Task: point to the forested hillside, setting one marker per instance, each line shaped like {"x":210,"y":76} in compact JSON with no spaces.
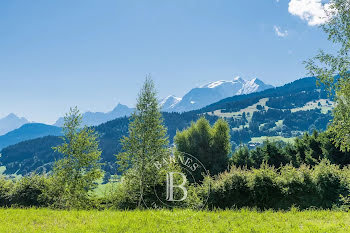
{"x":282,"y":112}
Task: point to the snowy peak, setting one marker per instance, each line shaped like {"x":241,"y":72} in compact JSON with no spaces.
{"x":254,"y":85}
{"x":11,"y":122}
{"x":169,"y":102}
{"x":212,"y":92}
{"x":215,"y":84}
{"x":221,"y":83}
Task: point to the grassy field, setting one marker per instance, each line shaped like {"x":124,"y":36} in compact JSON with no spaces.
{"x":44,"y":220}
{"x":272,"y":138}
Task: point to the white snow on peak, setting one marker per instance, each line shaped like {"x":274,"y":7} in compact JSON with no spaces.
{"x":212,"y":92}
{"x":213,"y":84}
{"x":224,"y":82}
{"x":170,"y":97}
{"x":169,"y":102}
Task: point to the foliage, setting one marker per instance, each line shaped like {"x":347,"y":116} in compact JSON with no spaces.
{"x":5,"y":188}
{"x":210,"y":145}
{"x":29,"y":191}
{"x":333,"y":69}
{"x":146,"y":142}
{"x":320,"y":186}
{"x":308,"y":149}
{"x":75,"y":175}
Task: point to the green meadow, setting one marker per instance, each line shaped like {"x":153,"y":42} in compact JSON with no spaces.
{"x":46,"y":220}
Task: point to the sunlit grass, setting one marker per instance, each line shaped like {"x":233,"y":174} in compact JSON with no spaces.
{"x":44,"y":220}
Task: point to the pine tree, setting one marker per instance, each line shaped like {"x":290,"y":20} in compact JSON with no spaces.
{"x":146,"y":142}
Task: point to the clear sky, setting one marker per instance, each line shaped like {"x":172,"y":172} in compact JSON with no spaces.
{"x":94,"y":54}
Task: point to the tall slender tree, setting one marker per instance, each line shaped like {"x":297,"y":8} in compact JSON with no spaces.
{"x":76,"y":173}
{"x":146,"y":142}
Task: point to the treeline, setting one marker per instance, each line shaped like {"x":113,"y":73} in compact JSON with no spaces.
{"x":308,"y":150}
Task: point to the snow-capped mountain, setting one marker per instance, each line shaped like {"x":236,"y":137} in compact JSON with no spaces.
{"x":96,"y":118}
{"x":11,"y":122}
{"x":169,"y":102}
{"x":214,"y":91}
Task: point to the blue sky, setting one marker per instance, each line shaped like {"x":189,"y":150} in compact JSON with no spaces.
{"x":94,"y":54}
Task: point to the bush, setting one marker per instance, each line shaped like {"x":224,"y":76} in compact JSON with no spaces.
{"x":265,"y":191}
{"x":28,"y":191}
{"x":229,"y":190}
{"x":322,"y":186}
{"x":5,"y":188}
{"x":331,"y":183}
{"x":298,"y":187}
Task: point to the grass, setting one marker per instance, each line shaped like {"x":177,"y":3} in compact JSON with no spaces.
{"x":45,"y":220}
{"x":272,"y":138}
{"x":324,"y":104}
{"x":250,"y":109}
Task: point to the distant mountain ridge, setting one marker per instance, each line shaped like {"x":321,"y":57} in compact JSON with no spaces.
{"x":27,"y":132}
{"x":212,"y":92}
{"x":11,"y":122}
{"x":97,"y":118}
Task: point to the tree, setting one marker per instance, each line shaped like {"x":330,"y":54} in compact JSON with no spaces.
{"x":242,"y":158}
{"x":146,"y":142}
{"x":333,"y":69}
{"x":75,"y":175}
{"x":210,"y":145}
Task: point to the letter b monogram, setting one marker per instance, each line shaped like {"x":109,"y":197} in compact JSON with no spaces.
{"x":170,"y":186}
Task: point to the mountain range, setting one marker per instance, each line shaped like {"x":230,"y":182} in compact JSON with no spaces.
{"x":27,"y":132}
{"x":11,"y":122}
{"x":281,"y":112}
{"x":195,"y":99}
{"x":97,"y":118}
{"x":210,"y":93}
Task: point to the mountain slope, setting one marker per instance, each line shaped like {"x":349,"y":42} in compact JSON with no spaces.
{"x":168,"y":103}
{"x":212,"y":92}
{"x":11,"y":122}
{"x":285,"y":111}
{"x":27,"y":132}
{"x":97,"y":118}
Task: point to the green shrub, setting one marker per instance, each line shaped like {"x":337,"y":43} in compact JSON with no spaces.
{"x":5,"y":188}
{"x":28,"y":191}
{"x":331,"y":183}
{"x":298,"y":187}
{"x":229,"y":190}
{"x":321,"y":186}
{"x":266,"y":193}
